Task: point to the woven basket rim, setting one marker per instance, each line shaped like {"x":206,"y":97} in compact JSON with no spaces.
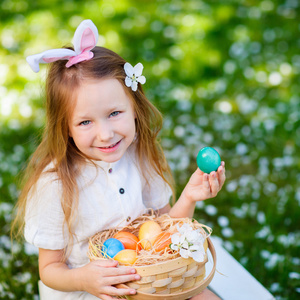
{"x":198,"y":288}
{"x":178,"y":262}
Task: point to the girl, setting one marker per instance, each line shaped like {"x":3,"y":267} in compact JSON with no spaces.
{"x":98,"y":166}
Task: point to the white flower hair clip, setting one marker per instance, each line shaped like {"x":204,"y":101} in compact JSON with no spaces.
{"x":134,"y":75}
{"x":84,"y":40}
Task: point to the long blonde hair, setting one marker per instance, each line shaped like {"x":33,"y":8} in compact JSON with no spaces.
{"x":58,"y":147}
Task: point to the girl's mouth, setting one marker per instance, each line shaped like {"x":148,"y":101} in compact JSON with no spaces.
{"x":110,"y":148}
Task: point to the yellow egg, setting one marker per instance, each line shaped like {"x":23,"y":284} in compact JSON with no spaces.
{"x":126,"y":257}
{"x":148,"y":233}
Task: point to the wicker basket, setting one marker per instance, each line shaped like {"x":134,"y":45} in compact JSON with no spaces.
{"x":174,"y":279}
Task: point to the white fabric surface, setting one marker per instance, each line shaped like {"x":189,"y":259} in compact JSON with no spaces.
{"x":101,"y":206}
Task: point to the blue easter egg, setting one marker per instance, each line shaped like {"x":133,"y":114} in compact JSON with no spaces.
{"x":111,"y":247}
{"x":208,"y":160}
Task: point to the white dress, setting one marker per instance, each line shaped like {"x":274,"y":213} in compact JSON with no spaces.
{"x":111,"y":195}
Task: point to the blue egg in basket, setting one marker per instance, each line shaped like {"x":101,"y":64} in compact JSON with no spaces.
{"x":111,"y":247}
{"x":208,"y":160}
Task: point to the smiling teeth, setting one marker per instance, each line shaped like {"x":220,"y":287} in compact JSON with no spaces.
{"x":110,"y":146}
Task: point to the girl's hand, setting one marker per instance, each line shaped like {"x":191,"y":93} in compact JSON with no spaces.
{"x":99,"y":277}
{"x":202,"y":186}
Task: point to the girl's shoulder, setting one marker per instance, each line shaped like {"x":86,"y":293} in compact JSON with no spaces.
{"x":46,"y":186}
{"x":49,"y":172}
{"x":48,"y":176}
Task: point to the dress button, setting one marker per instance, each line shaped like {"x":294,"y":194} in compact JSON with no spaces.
{"x":128,"y":219}
{"x":122,"y":191}
{"x":110,"y":170}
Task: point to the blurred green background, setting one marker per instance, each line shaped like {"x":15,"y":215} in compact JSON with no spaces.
{"x":225,"y":74}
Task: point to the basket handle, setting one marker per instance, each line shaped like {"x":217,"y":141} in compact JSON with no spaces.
{"x":209,"y":278}
{"x":192,"y":292}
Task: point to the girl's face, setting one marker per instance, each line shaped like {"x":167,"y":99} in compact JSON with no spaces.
{"x":103,"y":121}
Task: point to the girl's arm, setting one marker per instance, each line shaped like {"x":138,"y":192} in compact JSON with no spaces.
{"x":201,"y":186}
{"x":96,"y":278}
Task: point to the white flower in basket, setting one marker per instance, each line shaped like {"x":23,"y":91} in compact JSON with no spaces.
{"x":189,"y":242}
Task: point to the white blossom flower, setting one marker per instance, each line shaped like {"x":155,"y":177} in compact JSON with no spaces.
{"x":189,"y":242}
{"x":134,"y":75}
{"x":185,"y":253}
{"x":198,"y":255}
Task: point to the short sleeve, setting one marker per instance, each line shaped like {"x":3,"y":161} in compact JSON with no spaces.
{"x":44,"y":217}
{"x":156,"y":192}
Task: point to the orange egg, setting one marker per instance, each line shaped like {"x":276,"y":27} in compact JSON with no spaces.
{"x":126,"y":257}
{"x":162,"y":241}
{"x":148,"y":233}
{"x":129,"y":240}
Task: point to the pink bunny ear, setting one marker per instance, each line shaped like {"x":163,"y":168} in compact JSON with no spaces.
{"x":85,"y":39}
{"x":47,"y":57}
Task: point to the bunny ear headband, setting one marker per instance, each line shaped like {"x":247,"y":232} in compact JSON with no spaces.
{"x":84,"y":40}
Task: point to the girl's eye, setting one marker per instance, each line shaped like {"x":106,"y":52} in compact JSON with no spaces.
{"x":85,"y":123}
{"x":115,"y":113}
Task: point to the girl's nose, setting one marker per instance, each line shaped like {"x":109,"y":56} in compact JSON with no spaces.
{"x":105,"y":133}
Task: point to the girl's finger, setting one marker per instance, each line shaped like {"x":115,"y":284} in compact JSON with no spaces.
{"x":196,"y":177}
{"x":221,"y":173}
{"x":221,"y":167}
{"x":111,"y":290}
{"x":118,"y":271}
{"x":199,"y":172}
{"x":205,"y":182}
{"x":214,"y":184}
{"x":105,"y":297}
{"x":120,"y":279}
{"x":106,"y":263}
